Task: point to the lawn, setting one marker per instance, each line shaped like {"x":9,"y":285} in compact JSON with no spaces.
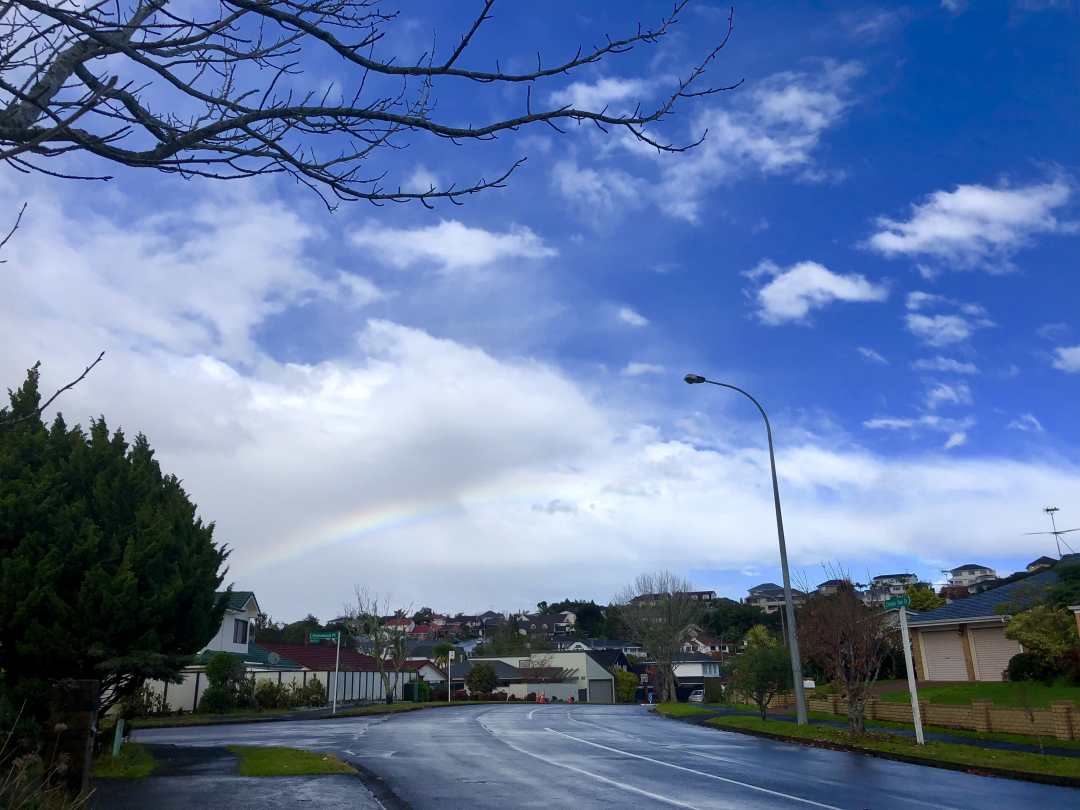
{"x":134,"y":762}
{"x":932,"y":752}
{"x":1006,"y":695}
{"x":262,"y":761}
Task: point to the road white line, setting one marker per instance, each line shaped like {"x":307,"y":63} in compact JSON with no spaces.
{"x":614,"y":783}
{"x":699,"y":773}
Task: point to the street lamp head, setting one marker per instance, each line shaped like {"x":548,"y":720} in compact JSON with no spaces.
{"x":694,"y":379}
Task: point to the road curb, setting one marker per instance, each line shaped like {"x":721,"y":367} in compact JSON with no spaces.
{"x":1024,"y":776}
{"x":283,"y":718}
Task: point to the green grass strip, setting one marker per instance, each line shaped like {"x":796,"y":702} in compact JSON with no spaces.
{"x":134,"y":762}
{"x":932,"y":752}
{"x":262,"y":761}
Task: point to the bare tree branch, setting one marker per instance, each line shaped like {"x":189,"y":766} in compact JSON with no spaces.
{"x":199,"y":93}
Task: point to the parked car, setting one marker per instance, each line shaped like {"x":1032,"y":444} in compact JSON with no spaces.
{"x":697,"y":696}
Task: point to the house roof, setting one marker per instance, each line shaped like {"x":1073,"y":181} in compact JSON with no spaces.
{"x":608,"y":658}
{"x":969,"y":567}
{"x":892,"y":576}
{"x":503,"y":670}
{"x":831,"y":583}
{"x":1044,"y":560}
{"x":1022,"y":591}
{"x":254,"y":655}
{"x":320,"y":657}
{"x":419,"y":664}
{"x":238,"y":599}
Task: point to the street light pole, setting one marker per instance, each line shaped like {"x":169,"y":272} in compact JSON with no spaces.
{"x":789,"y":605}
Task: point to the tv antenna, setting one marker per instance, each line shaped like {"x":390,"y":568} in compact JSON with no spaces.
{"x":1050,"y":510}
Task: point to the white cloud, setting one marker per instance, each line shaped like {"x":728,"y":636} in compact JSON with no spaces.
{"x":944,"y":364}
{"x":939,"y":330}
{"x":1053,"y":331}
{"x":597,"y":194}
{"x":409,"y":441}
{"x":601,"y":93}
{"x":791,"y":293}
{"x":1067,"y":359}
{"x":955,"y":440}
{"x":1027,"y":423}
{"x":948,"y":394}
{"x":974,"y":225}
{"x":773,"y":128}
{"x":451,"y":245}
{"x":634,"y":369}
{"x":926,"y":421}
{"x":631,"y":317}
{"x":872,"y":355}
{"x":421,"y":181}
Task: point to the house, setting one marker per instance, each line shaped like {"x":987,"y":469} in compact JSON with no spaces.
{"x":690,"y":670}
{"x":1040,"y":564}
{"x":768,"y":597}
{"x":401,"y":624}
{"x":422,"y":650}
{"x":241,"y":610}
{"x":626,"y":647}
{"x":829,"y":587}
{"x":965,"y":640}
{"x":886,"y":586}
{"x":653,"y":598}
{"x":562,"y":675}
{"x":548,"y":624}
{"x":708,"y":645}
{"x":971,"y":575}
{"x":428,"y":671}
{"x":421,"y":632}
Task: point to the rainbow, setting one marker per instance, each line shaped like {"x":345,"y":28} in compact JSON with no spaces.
{"x":370,"y":521}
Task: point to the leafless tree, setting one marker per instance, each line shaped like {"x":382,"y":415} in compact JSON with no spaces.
{"x":849,"y":641}
{"x":398,"y":653}
{"x":216,"y":89}
{"x":364,"y":619}
{"x":658,"y":610}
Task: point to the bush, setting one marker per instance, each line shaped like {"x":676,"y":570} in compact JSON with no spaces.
{"x":461,"y":694}
{"x":216,"y":700}
{"x":313,"y":694}
{"x":270,"y":695}
{"x":417,"y":690}
{"x":1032,"y":667}
{"x":714,"y":690}
{"x":531,"y":697}
{"x":626,"y":684}
{"x":144,"y":702}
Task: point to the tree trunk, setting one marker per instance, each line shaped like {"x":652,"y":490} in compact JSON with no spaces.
{"x":856,"y":717}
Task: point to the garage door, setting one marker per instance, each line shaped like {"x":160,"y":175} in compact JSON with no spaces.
{"x":600,"y":691}
{"x":992,"y":653}
{"x":944,"y":656}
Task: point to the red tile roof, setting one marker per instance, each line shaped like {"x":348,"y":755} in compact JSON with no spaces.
{"x":321,"y":657}
{"x":418,"y":664}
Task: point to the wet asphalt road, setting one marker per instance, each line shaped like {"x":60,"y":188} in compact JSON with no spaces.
{"x":586,"y":757}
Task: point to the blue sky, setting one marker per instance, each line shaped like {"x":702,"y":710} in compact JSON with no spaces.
{"x":482,"y":406}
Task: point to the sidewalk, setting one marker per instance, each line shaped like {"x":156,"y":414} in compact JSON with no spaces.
{"x":957,"y":739}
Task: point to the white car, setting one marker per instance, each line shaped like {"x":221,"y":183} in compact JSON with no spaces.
{"x":697,"y":696}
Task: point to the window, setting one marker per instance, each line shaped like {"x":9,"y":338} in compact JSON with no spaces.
{"x":240,"y":631}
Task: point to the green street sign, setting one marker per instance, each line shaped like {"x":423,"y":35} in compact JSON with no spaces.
{"x":897,"y":602}
{"x":323,"y":635}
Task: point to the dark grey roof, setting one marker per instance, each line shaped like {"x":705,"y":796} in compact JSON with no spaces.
{"x":892,"y":576}
{"x":831,"y":583}
{"x":1044,"y":560}
{"x":969,"y":567}
{"x":692,"y":657}
{"x":608,"y":658}
{"x":1022,"y":592}
{"x":766,"y":586}
{"x":503,"y":671}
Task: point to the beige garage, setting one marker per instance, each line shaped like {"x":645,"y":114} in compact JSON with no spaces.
{"x":943,"y":652}
{"x":991,"y":652}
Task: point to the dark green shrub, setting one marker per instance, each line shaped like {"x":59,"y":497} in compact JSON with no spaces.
{"x":1032,"y":667}
{"x":216,"y":699}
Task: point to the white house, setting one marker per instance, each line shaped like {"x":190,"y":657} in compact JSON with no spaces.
{"x":971,"y":574}
{"x":236,"y":626}
{"x":583,"y":678}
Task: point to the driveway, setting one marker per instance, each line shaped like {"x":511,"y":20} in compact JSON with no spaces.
{"x":592,"y":757}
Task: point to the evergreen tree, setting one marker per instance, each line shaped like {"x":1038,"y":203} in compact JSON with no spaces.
{"x":106,"y":572}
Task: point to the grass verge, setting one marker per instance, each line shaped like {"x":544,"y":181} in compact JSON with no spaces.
{"x":1016,"y":763}
{"x":1007,"y":694}
{"x":262,"y":761}
{"x":134,"y":762}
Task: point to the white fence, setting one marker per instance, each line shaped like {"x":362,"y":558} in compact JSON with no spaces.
{"x":351,"y":686}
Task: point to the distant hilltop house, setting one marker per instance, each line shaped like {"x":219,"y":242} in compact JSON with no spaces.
{"x":579,"y":644}
{"x":1040,"y":564}
{"x":768,"y":597}
{"x":885,"y":586}
{"x":653,"y":598}
{"x":829,"y":587}
{"x":550,"y":624}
